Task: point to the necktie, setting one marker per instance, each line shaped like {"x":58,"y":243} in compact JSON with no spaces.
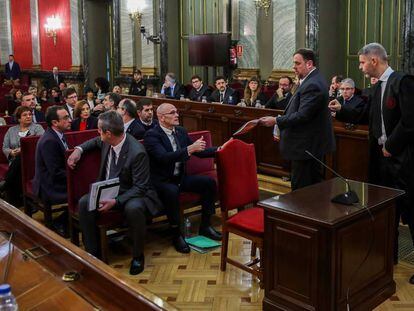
{"x":376,"y":112}
{"x":113,"y":167}
{"x":65,"y":144}
{"x":174,"y":134}
{"x":221,"y":97}
{"x":56,"y":79}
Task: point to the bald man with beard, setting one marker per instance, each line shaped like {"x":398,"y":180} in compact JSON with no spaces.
{"x":169,"y":148}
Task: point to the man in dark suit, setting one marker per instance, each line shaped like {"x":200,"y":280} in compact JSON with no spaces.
{"x":12,"y":69}
{"x":128,"y":110}
{"x":71,"y":97}
{"x":55,"y":78}
{"x":49,"y":182}
{"x":29,"y":100}
{"x":125,"y":158}
{"x":199,"y":91}
{"x":146,"y":115}
{"x":354,"y":104}
{"x":223,"y":94}
{"x":282,"y":96}
{"x":169,"y":148}
{"x":390,"y":114}
{"x":172,"y":88}
{"x":306,"y":124}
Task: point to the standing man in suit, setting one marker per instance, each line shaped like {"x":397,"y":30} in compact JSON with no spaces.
{"x":55,"y":78}
{"x":29,"y":100}
{"x":199,"y":89}
{"x":306,"y":123}
{"x":12,"y":70}
{"x":172,"y":88}
{"x":123,"y":157}
{"x":49,"y":182}
{"x":223,"y":94}
{"x":169,"y":148}
{"x":355,"y":104}
{"x":390,"y":114}
{"x":283,"y":94}
{"x":71,"y":97}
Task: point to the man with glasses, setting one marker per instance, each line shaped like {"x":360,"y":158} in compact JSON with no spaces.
{"x":169,"y":148}
{"x":71,"y":97}
{"x":49,"y":182}
{"x":354,"y":103}
{"x":199,"y":89}
{"x":28,"y":100}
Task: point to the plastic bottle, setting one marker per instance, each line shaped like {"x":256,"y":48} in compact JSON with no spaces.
{"x":182,"y":97}
{"x":230,"y":100}
{"x":258,"y":104}
{"x":7,"y":300}
{"x":187,"y":228}
{"x":204,"y":99}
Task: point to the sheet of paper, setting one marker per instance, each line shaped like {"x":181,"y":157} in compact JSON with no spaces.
{"x":247,"y":127}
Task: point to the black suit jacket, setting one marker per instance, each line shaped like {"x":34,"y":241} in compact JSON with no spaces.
{"x":137,"y":88}
{"x":133,"y":172}
{"x":198,"y":95}
{"x":14,"y":73}
{"x":215,"y":97}
{"x":137,"y":129}
{"x":49,"y":181}
{"x":352,"y":110}
{"x":306,"y":123}
{"x":161,"y":154}
{"x":65,"y":106}
{"x":91,"y":123}
{"x":51,"y":82}
{"x":39,"y":115}
{"x":278,"y":103}
{"x":179,"y":90}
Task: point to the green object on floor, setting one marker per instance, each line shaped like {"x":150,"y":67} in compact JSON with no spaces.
{"x":202,"y":242}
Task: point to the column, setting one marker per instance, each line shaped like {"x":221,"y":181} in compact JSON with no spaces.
{"x":127,"y":46}
{"x":148,"y":50}
{"x":34,"y":25}
{"x":408,"y":33}
{"x":284,"y":37}
{"x":6,"y":45}
{"x":75,"y":36}
{"x":248,"y":65}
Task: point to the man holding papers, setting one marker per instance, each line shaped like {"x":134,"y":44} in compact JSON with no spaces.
{"x":125,"y":158}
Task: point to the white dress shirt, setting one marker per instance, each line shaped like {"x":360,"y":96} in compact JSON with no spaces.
{"x":170,"y":136}
{"x":384,"y":80}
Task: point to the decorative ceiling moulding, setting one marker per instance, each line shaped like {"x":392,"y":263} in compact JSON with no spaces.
{"x":36,"y":67}
{"x":246,"y":73}
{"x":125,"y":71}
{"x":278,"y":73}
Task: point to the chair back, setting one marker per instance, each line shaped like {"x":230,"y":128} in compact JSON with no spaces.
{"x":76,"y":138}
{"x":237,"y":175}
{"x":27,"y":155}
{"x":200,"y":165}
{"x":79,"y":179}
{"x":3,"y":131}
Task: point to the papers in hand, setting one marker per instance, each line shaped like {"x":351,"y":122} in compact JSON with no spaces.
{"x":247,"y":127}
{"x":103,"y":190}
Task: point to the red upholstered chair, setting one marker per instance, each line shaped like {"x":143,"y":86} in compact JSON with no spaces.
{"x":76,"y":138}
{"x":4,"y":163}
{"x":78,"y":182}
{"x":238,"y":188}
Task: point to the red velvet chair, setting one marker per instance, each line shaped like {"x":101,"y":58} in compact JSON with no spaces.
{"x":76,"y":138}
{"x":4,"y":163}
{"x":238,"y":188}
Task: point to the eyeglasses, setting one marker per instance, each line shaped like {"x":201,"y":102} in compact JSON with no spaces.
{"x":174,"y":112}
{"x":73,"y":97}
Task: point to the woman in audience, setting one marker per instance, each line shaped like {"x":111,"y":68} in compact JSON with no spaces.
{"x":11,"y":149}
{"x":137,"y":86}
{"x":15,"y":99}
{"x":43,"y":97}
{"x":90,"y":97}
{"x":55,"y":98}
{"x":253,"y":94}
{"x":83,"y":119}
{"x":102,"y":86}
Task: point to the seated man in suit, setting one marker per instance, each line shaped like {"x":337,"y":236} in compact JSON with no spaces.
{"x":12,"y":70}
{"x":355,"y":104}
{"x":146,"y":114}
{"x":172,"y":88}
{"x":128,"y":111}
{"x":28,"y":100}
{"x":199,"y":90}
{"x":124,"y":157}
{"x":169,"y":148}
{"x":334,"y":91}
{"x":109,"y":102}
{"x":70,"y":97}
{"x":49,"y":182}
{"x":224,"y":94}
{"x":283,"y":94}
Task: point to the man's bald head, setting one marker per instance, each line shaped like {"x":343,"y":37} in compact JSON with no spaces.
{"x":167,"y":115}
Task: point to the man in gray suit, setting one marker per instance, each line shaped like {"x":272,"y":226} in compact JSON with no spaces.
{"x":306,"y":124}
{"x":124,"y":157}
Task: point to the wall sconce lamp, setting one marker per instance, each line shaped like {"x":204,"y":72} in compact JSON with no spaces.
{"x":263,"y":4}
{"x":53,"y":24}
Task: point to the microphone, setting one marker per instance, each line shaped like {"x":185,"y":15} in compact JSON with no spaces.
{"x":348,"y":198}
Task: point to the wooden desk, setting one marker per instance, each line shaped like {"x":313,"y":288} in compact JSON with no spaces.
{"x":37,"y":283}
{"x":350,"y":158}
{"x":313,"y":248}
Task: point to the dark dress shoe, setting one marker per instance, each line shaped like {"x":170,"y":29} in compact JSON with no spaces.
{"x":137,"y":265}
{"x":411,"y":279}
{"x":181,"y":245}
{"x":210,"y":232}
